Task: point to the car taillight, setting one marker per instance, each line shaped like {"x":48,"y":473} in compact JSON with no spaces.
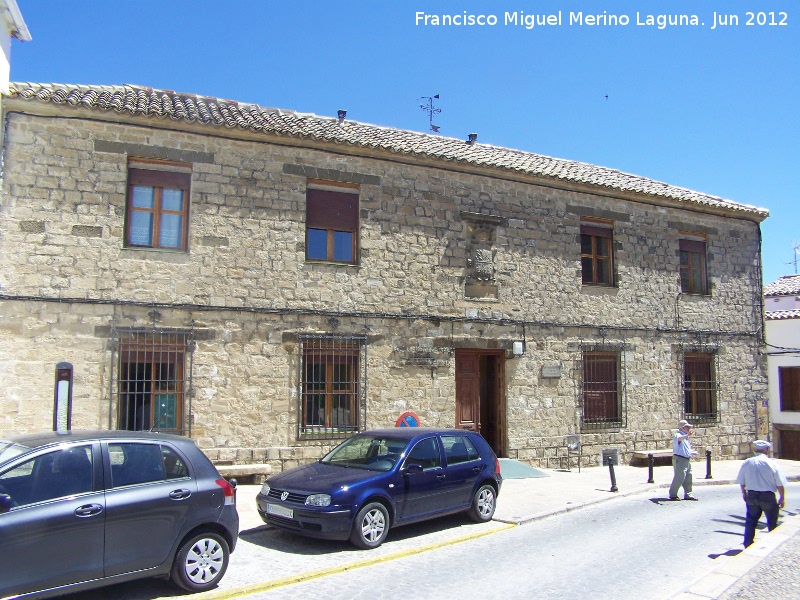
{"x":496,"y":465}
{"x":228,"y":490}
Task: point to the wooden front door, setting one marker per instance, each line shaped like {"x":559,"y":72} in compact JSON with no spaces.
{"x":789,"y":444}
{"x":480,"y":395}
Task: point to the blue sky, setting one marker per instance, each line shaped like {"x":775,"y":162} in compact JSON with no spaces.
{"x":712,"y":109}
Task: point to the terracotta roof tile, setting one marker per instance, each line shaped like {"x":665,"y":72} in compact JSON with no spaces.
{"x":780,"y":315}
{"x":788,"y":285}
{"x":216,"y":112}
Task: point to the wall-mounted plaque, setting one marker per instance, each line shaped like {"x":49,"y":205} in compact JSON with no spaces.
{"x":553,"y":371}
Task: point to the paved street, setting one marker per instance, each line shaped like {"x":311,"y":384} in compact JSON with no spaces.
{"x":777,"y":577}
{"x":268,"y":558}
{"x":640,"y":546}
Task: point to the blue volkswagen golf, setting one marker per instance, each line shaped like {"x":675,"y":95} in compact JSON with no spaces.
{"x":381,"y":479}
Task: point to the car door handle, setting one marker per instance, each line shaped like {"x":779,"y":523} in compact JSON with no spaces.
{"x":440,"y":476}
{"x":477,"y":469}
{"x":88,"y":510}
{"x":179,"y":494}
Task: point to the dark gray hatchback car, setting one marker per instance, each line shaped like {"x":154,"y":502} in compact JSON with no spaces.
{"x":84,"y":509}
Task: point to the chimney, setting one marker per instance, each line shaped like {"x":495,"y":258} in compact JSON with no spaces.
{"x":473,"y":137}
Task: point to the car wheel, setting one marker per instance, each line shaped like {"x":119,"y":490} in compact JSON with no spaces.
{"x":483,"y":504}
{"x":200,"y":562}
{"x":371,"y":526}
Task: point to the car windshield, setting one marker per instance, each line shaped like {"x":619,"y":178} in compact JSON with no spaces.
{"x":372,"y":452}
{"x":9,"y":450}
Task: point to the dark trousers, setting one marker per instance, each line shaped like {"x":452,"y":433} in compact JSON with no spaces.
{"x":758,"y":502}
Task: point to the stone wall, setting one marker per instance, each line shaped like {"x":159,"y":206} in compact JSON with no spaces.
{"x":66,"y":279}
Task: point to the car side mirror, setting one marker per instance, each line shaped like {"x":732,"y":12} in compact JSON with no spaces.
{"x":5,"y":503}
{"x":413,"y":468}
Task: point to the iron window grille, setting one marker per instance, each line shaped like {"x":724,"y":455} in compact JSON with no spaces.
{"x":151,"y":380}
{"x":332,"y":386}
{"x":603,"y":390}
{"x":700,"y":387}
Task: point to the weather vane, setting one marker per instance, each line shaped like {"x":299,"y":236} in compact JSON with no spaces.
{"x":429,"y":108}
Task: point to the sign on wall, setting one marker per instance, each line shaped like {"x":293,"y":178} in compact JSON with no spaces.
{"x":407,"y":419}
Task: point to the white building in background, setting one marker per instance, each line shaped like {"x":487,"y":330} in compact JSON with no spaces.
{"x":13,"y":27}
{"x":782,"y":321}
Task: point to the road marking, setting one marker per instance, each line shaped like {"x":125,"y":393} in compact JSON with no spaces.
{"x":310,"y":575}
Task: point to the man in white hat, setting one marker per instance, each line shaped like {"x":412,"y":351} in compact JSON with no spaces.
{"x":760,"y":478}
{"x":682,"y":454}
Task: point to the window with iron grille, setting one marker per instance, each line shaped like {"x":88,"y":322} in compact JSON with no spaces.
{"x":332,"y":225}
{"x":602,"y":397}
{"x":789,"y":386}
{"x":699,"y":386}
{"x":332,"y":385}
{"x":596,"y":255}
{"x":693,"y":266}
{"x":151,"y":379}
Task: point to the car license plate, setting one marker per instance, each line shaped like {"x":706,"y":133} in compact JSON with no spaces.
{"x":280,"y":511}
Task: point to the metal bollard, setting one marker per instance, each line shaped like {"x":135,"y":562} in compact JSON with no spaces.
{"x":708,"y":464}
{"x":611,"y":471}
{"x":650,"y":461}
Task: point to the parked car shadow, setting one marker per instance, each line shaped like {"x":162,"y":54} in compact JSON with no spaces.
{"x":281,"y":540}
{"x":143,"y":589}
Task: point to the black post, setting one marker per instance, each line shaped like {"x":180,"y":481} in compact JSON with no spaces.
{"x":708,"y":464}
{"x":650,"y":462}
{"x":611,"y":471}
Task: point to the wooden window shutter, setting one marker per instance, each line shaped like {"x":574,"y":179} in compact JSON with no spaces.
{"x":167,"y":179}
{"x":789,"y":382}
{"x":598,"y":231}
{"x":692,"y":246}
{"x":331,"y":210}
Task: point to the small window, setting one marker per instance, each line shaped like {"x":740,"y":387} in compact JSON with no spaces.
{"x":331,"y":225}
{"x":174,"y":467}
{"x":789,"y":382}
{"x":133,"y":463}
{"x":158,"y":209}
{"x":426,"y":454}
{"x":601,"y":389}
{"x":693,"y":266}
{"x":56,"y":474}
{"x":699,"y":386}
{"x":458,"y":449}
{"x":596,"y":255}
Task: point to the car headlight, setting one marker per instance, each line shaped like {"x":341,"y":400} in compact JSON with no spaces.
{"x":265,"y":489}
{"x":318,"y":500}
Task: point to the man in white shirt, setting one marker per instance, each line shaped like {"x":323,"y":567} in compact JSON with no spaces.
{"x":760,"y":478}
{"x":682,"y":454}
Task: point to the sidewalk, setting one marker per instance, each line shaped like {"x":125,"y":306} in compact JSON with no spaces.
{"x":520,"y":501}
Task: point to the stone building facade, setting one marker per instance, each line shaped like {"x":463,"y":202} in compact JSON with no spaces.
{"x":268,"y":282}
